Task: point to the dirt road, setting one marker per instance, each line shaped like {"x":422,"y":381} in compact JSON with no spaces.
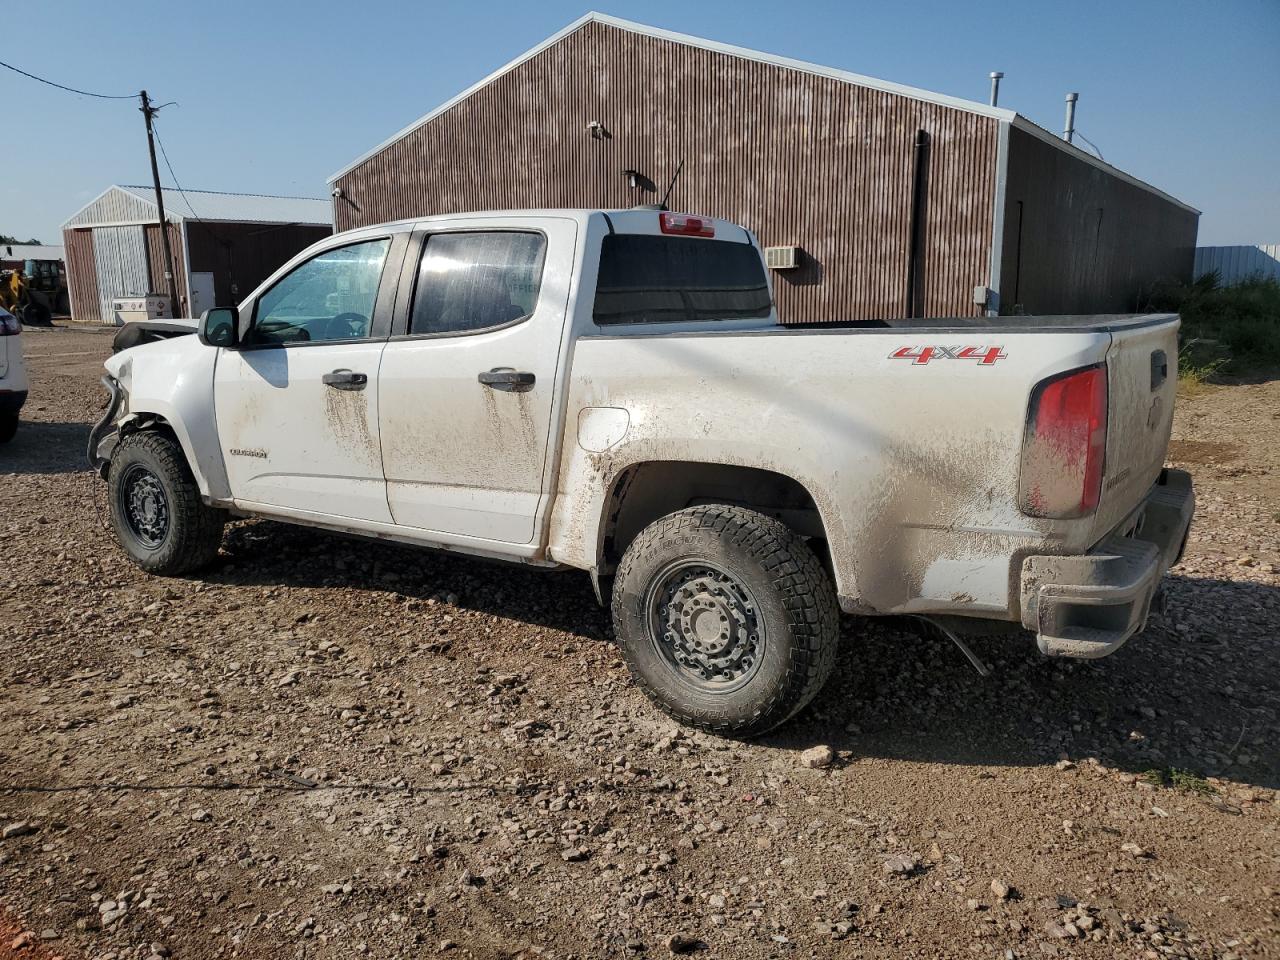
{"x":327,"y":748}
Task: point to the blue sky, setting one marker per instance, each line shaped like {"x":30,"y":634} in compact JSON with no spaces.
{"x":273,"y":97}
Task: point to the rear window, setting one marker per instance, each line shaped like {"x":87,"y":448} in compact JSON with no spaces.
{"x":664,"y":279}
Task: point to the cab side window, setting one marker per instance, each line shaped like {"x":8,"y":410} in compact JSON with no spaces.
{"x":329,"y":298}
{"x":475,"y":281}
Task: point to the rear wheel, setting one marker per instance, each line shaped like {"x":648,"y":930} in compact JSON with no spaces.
{"x":8,"y":425}
{"x":726,"y":618}
{"x":156,"y":511}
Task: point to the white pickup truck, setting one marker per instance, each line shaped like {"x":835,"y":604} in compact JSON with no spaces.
{"x":611,"y":391}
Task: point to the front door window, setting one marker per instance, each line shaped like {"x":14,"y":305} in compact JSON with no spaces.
{"x":330,"y":297}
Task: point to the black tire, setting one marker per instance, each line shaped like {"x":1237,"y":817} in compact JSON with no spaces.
{"x":8,"y":425}
{"x":745,"y":575}
{"x":156,"y":511}
{"x":36,"y":314}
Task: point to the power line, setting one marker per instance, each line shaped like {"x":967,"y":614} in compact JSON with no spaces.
{"x":83,"y":93}
{"x":173,"y":176}
{"x":1092,"y":144}
{"x":185,"y":199}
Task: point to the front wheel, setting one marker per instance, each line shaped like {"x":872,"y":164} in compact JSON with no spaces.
{"x":156,"y":511}
{"x":726,"y":619}
{"x":8,"y":425}
{"x":36,"y":314}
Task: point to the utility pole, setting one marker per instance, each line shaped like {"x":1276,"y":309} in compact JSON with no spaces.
{"x":1069,"y":126}
{"x":148,"y":111}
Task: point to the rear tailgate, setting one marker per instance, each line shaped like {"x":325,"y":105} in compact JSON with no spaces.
{"x":1142,"y":378}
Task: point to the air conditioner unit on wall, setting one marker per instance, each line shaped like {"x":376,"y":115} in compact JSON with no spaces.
{"x":782,"y":258}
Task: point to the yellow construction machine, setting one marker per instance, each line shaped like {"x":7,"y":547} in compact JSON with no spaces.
{"x":36,"y":292}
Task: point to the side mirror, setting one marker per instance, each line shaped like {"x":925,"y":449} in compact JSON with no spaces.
{"x":220,"y":327}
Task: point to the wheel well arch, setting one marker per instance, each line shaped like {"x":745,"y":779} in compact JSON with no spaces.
{"x":154,"y":423}
{"x":151,"y":422}
{"x":647,"y":491}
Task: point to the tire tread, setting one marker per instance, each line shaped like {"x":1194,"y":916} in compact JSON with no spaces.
{"x":196,"y":527}
{"x":805,"y":589}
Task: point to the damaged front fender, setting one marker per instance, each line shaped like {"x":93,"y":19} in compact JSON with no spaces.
{"x":103,"y":436}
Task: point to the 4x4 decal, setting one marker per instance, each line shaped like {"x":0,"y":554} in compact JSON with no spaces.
{"x":985,"y":356}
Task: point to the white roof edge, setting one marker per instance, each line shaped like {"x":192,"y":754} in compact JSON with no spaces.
{"x":176,"y":216}
{"x":971,"y":106}
{"x":172,"y":216}
{"x":67,"y":222}
{"x":1039,"y":132}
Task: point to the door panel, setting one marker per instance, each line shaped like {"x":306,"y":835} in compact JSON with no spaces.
{"x":297,"y":405}
{"x":202,"y":293}
{"x":462,"y":456}
{"x":290,"y":440}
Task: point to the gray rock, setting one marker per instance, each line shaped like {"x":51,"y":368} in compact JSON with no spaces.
{"x":682,"y":943}
{"x":901,"y":865}
{"x":817,"y":758}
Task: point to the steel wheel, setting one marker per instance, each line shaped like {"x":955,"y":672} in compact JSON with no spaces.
{"x":144,"y":505}
{"x":705,"y":626}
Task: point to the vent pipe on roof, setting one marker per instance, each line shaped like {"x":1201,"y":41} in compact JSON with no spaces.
{"x":996,"y":77}
{"x":1069,"y":129}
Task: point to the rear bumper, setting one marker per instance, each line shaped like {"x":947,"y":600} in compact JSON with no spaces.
{"x":11,"y":401}
{"x":1089,"y":605}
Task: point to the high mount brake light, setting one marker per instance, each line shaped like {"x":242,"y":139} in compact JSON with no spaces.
{"x":1065,"y":445}
{"x":684,"y":225}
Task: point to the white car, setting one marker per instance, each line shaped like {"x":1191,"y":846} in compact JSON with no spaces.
{"x":13,"y":375}
{"x":611,"y":391}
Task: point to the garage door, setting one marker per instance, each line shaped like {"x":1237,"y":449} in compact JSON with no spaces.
{"x":120,"y":255}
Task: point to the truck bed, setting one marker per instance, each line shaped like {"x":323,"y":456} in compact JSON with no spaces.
{"x":912,"y":457}
{"x":1047,"y":323}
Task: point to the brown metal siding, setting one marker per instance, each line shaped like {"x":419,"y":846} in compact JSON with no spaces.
{"x":1089,"y":242}
{"x":799,"y":158}
{"x":241,"y":255}
{"x":155,"y":263}
{"x":82,"y":276}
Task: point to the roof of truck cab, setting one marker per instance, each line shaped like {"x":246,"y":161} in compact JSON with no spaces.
{"x":580,"y":214}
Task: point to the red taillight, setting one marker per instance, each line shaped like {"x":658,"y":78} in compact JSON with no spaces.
{"x":686,"y":226}
{"x":1065,"y":445}
{"x":9,"y":325}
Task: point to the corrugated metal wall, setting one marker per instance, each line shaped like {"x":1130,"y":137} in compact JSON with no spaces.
{"x":155,"y":263}
{"x":799,"y":158}
{"x":120,"y":259}
{"x":82,"y":275}
{"x":1080,"y":240}
{"x":1234,"y":264}
{"x":241,"y":255}
{"x":114,"y":206}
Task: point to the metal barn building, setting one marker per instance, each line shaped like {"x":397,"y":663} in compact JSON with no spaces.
{"x":113,"y":246}
{"x":1236,"y":264}
{"x":901,"y":201}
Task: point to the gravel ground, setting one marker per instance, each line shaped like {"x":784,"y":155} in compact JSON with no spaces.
{"x":333,"y":748}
